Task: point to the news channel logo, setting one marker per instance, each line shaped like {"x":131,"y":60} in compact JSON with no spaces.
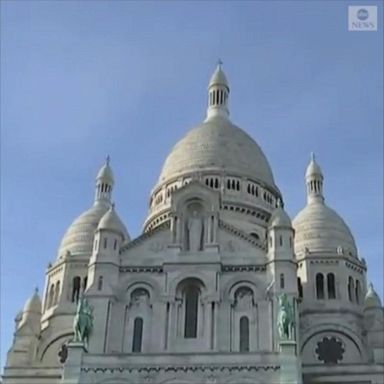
{"x":362,"y":18}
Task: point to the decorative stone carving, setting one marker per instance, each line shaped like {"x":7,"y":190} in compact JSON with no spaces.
{"x":140,"y":297}
{"x":195,"y":228}
{"x":330,"y":350}
{"x":156,"y":247}
{"x":244,"y":298}
{"x":63,"y":354}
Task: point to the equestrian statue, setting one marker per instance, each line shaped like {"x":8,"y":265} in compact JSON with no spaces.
{"x":83,"y":322}
{"x":286,"y":318}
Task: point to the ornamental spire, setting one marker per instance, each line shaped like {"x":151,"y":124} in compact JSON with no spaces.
{"x":314,"y":179}
{"x":104,"y":183}
{"x":218,"y":92}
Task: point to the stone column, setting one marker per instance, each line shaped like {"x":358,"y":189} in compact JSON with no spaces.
{"x":72,"y":367}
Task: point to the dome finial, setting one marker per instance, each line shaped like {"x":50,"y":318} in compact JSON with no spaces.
{"x":314,"y":180}
{"x":218,"y":92}
{"x":104,"y":182}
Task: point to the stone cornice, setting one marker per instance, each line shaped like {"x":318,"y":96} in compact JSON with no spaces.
{"x":238,"y":233}
{"x":244,"y":268}
{"x":141,"y":269}
{"x":183,"y":368}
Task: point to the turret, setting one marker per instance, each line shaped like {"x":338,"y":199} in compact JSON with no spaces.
{"x":109,"y":237}
{"x":280,"y":252}
{"x":103,"y":271}
{"x":27,"y":333}
{"x":374,"y":325}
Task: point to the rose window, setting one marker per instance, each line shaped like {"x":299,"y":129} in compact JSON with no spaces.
{"x":330,"y":350}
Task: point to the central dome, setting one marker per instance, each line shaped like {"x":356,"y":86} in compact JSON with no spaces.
{"x":218,"y":145}
{"x":222,"y":157}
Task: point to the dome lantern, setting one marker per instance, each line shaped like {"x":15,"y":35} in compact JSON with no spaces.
{"x":104,"y":183}
{"x":314,"y":181}
{"x":218,"y":94}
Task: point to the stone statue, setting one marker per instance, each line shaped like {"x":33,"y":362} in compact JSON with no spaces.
{"x":83,"y":322}
{"x":285,"y":319}
{"x":195,"y":229}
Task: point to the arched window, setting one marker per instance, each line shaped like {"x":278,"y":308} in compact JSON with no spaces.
{"x":76,"y":289}
{"x":299,"y":288}
{"x":282,"y":282}
{"x":331,"y":286}
{"x":51,"y":295}
{"x":244,"y":334}
{"x":320,"y":286}
{"x":350,"y":288}
{"x":191,"y":296}
{"x":137,"y":335}
{"x":57,"y":291}
{"x":100,"y":283}
{"x":255,"y":235}
{"x":281,"y":240}
{"x":357,"y":291}
{"x":105,"y":243}
{"x":115,"y":244}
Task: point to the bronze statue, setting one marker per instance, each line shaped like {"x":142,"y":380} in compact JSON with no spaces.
{"x":286,"y":318}
{"x":83,"y":322}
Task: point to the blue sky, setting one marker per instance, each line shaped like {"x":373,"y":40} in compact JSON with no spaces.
{"x":80,"y":80}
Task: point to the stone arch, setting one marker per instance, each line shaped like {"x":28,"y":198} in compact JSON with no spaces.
{"x":335,"y":328}
{"x":190,"y":275}
{"x":247,"y":280}
{"x":54,"y":340}
{"x":196,"y":191}
{"x":355,"y":353}
{"x":131,"y":283}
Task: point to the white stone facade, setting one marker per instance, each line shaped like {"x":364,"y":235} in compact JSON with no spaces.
{"x":194,"y":299}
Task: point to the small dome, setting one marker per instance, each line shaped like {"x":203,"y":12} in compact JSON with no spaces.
{"x":78,"y":238}
{"x":111,"y":221}
{"x":372,"y":299}
{"x":218,"y":77}
{"x":280,"y":218}
{"x":320,"y":228}
{"x":105,"y":173}
{"x":313,"y":169}
{"x":33,"y":304}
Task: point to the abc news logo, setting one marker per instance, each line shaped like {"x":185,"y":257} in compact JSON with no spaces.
{"x":362,"y":18}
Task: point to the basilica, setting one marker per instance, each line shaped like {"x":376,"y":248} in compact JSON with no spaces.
{"x":221,"y":287}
